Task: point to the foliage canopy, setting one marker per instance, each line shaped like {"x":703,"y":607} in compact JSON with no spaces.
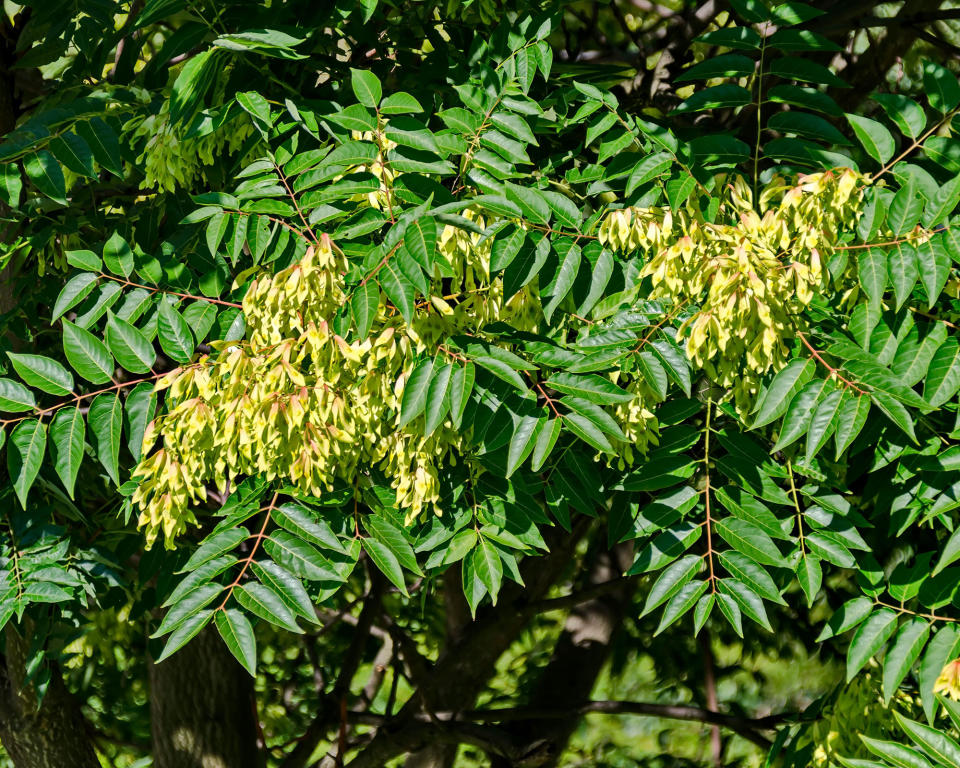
{"x":426,"y":306}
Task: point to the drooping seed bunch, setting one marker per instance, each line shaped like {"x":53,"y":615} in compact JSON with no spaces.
{"x":748,"y":274}
{"x":296,"y":401}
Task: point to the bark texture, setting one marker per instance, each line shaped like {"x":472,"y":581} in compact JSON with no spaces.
{"x":53,"y":735}
{"x":202,"y":709}
{"x":578,"y":657}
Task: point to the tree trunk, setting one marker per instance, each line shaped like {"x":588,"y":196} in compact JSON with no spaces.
{"x":203,"y":709}
{"x":578,"y":658}
{"x":53,"y":735}
{"x":470,"y":654}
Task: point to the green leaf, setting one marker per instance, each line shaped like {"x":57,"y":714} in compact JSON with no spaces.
{"x":118,"y":256}
{"x":506,"y":246}
{"x":823,"y":422}
{"x":103,"y":141}
{"x":366,"y":87}
{"x":364,"y":304}
{"x":461,"y":385}
{"x":67,"y":431}
{"x":903,"y":653}
{"x":587,"y":431}
{"x":808,"y":98}
{"x":894,"y":754}
{"x":680,"y":603}
{"x":86,"y":260}
{"x":808,"y":126}
{"x":934,"y":263}
{"x":810,"y":576}
{"x":903,"y":272}
{"x":420,"y":239}
{"x":522,"y":442}
{"x":43,"y":373}
{"x":201,"y":316}
{"x":796,"y":419}
{"x":649,"y":168}
{"x":595,"y":414}
{"x":386,"y":561}
{"x":139,"y":407}
{"x":391,"y":536}
{"x":129,"y":346}
{"x":561,"y":284}
{"x":870,"y":637}
{"x":849,"y":615}
{"x":725,"y":65}
{"x":44,"y":171}
{"x":934,"y":742}
{"x":303,"y":523}
{"x":671,"y":581}
{"x":828,"y":546}
{"x":731,"y":611}
{"x":11,"y":185}
{"x":804,"y":70}
{"x":752,"y":11}
{"x":941,"y":87}
{"x":850,"y":421}
{"x":176,"y":339}
{"x":106,"y":423}
{"x":749,"y":601}
{"x":286,"y":586}
{"x":415,"y":388}
{"x":264,"y":603}
{"x":745,"y":507}
{"x":533,"y":205}
{"x":198,"y":579}
{"x":76,"y":290}
{"x":751,"y":540}
{"x":872,"y":272}
{"x":501,"y":370}
{"x":214,"y":546}
{"x":949,"y":553}
{"x":398,"y":288}
{"x":906,"y":114}
{"x":905,"y":210}
{"x":774,"y":401}
{"x":715,"y":97}
{"x":184,"y":633}
{"x":400,"y":103}
{"x":874,"y":137}
{"x":943,"y":203}
{"x":301,"y":558}
{"x":87,"y":355}
{"x":488,"y":567}
{"x":893,"y":409}
{"x":15,"y":398}
{"x":237,"y":633}
{"x":592,"y":387}
{"x":438,"y":399}
{"x":74,"y":153}
{"x":191,"y":84}
{"x":800,"y":40}
{"x":943,"y":376}
{"x":546,"y":440}
{"x":25,"y":450}
{"x":752,"y":574}
{"x":565,"y":211}
{"x":792,"y":12}
{"x":943,"y":647}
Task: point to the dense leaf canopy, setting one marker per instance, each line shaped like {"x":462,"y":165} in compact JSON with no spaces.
{"x":395,"y":319}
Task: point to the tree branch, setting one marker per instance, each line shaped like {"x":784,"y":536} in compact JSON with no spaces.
{"x":462,"y":728}
{"x":329,"y":710}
